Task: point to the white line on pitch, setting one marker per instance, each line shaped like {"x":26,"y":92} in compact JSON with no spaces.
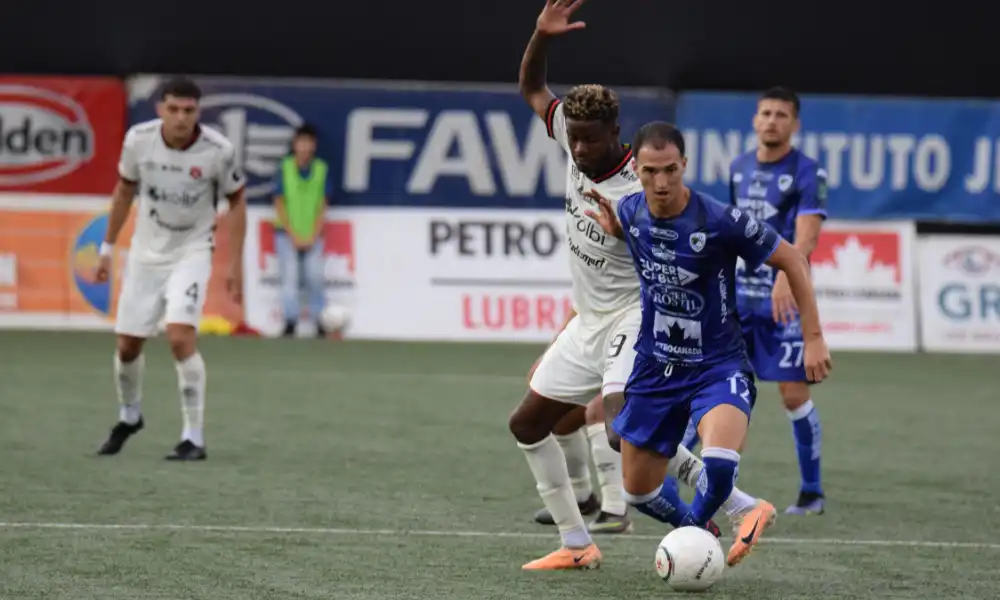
{"x":459,"y":534}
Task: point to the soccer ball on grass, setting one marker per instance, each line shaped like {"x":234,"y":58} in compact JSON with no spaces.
{"x":335,"y":318}
{"x":690,"y":559}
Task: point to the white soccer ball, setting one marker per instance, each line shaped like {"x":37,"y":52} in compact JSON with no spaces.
{"x":334,"y":318}
{"x":690,"y":559}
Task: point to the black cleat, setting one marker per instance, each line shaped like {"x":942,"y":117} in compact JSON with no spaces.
{"x":120,"y":434}
{"x":186,"y":450}
{"x":588,"y":507}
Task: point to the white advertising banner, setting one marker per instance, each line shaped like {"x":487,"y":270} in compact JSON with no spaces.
{"x":429,"y":274}
{"x":960,"y":293}
{"x":866,"y":286}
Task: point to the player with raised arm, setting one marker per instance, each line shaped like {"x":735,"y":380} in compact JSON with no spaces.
{"x":779,"y":185}
{"x":692,"y":361}
{"x":178,"y":168}
{"x":594,"y":351}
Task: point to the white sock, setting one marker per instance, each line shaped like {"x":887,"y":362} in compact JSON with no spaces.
{"x":548,"y":465}
{"x":577,"y":452}
{"x":687,"y":467}
{"x":609,"y":470}
{"x":191,"y":379}
{"x":128,"y":382}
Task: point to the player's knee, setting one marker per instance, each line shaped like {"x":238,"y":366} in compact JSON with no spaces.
{"x":535,"y":418}
{"x":129,"y":348}
{"x":524,"y":428}
{"x":182,"y":340}
{"x":571,"y":423}
{"x":793,"y":394}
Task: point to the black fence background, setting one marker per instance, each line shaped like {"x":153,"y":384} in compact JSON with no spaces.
{"x":851,"y":46}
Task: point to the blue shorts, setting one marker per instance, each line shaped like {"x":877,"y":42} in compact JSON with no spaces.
{"x":776,"y":351}
{"x":658,"y":407}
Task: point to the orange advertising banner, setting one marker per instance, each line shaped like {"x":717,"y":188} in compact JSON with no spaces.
{"x":47,"y":263}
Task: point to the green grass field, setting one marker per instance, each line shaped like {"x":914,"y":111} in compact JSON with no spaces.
{"x":385,"y":470}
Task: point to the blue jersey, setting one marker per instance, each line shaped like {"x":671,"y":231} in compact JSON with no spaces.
{"x":686,"y":267}
{"x":773,"y":193}
{"x":690,"y":352}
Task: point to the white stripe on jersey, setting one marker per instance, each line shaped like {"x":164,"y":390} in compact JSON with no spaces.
{"x":178,"y":190}
{"x":604,"y":279}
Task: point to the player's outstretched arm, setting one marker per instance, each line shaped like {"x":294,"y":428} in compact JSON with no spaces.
{"x":554,"y":20}
{"x":796,"y":268}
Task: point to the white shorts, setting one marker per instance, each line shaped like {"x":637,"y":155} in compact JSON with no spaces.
{"x":150,"y":292}
{"x":588,"y":358}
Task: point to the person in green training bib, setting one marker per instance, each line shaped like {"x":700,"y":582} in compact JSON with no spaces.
{"x":302,"y":193}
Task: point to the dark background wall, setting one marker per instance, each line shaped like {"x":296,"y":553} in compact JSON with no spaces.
{"x":852,"y":46}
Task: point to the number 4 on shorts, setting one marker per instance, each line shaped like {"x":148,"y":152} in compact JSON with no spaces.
{"x":192,"y":293}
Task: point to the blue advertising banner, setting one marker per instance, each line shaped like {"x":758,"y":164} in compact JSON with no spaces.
{"x":885,"y":158}
{"x":395,"y":144}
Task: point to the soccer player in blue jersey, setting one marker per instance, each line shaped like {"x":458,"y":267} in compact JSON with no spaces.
{"x":786,"y":189}
{"x":692,"y":361}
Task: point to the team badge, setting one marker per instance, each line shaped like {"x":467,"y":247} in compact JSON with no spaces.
{"x":785,"y":182}
{"x":195,"y":173}
{"x":697,"y":241}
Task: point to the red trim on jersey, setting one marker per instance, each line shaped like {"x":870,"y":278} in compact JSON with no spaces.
{"x":194,"y":138}
{"x":550,"y":114}
{"x":612,"y":172}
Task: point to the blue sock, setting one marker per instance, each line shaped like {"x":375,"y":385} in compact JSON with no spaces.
{"x":808,"y":434}
{"x":716,"y":483}
{"x":663,"y":504}
{"x":690,"y":439}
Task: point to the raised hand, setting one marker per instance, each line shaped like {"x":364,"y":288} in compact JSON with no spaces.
{"x":604,"y":215}
{"x":555,"y":17}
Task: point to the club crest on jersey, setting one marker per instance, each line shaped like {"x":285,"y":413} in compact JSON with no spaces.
{"x":785,"y":182}
{"x":697,"y":241}
{"x":195,"y":172}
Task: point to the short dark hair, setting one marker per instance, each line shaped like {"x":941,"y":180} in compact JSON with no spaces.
{"x":306,"y":129}
{"x":657,"y":134}
{"x":591,"y":102}
{"x":180,"y":87}
{"x":784,"y":94}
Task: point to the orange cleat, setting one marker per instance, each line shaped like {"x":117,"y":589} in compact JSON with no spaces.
{"x":567,"y":558}
{"x":755,"y":522}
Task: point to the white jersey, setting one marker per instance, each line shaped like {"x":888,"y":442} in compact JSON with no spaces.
{"x":604,"y":279}
{"x":178,"y":190}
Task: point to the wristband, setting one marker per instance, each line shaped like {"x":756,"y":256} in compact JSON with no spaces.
{"x":106,"y":249}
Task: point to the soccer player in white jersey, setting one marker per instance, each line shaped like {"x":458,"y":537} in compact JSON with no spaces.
{"x":594,"y":351}
{"x":178,"y":168}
